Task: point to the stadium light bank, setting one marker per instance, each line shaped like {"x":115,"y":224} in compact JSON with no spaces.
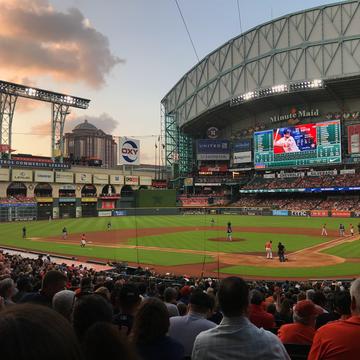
{"x":277,"y":90}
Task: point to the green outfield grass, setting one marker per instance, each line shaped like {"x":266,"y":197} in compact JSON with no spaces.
{"x":10,"y":235}
{"x":199,"y":240}
{"x":347,"y":250}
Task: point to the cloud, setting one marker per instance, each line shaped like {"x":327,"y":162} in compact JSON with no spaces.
{"x":37,"y":40}
{"x":104,"y":122}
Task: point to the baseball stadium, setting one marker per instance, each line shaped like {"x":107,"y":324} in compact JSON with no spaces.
{"x":261,"y":157}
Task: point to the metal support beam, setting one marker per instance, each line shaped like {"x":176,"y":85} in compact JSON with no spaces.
{"x":58,"y":115}
{"x":7,"y":107}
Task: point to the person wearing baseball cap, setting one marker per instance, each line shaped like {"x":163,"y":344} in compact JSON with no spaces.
{"x":302,"y":331}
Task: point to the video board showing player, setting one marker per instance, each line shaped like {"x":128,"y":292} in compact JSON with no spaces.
{"x":294,"y":139}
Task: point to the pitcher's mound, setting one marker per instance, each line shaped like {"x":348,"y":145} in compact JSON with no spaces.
{"x":224,"y":239}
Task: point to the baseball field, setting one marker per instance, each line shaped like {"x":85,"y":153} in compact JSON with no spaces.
{"x":194,"y":245}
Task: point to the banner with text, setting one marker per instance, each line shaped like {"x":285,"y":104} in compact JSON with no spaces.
{"x":22,"y":175}
{"x":129,"y":151}
{"x":211,"y":149}
{"x":353,"y":139}
{"x":64,"y":177}
{"x":242,"y":151}
{"x":44,"y":176}
{"x":83,"y":178}
{"x":100,"y":179}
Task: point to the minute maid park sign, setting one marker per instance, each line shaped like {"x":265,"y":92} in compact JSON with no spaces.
{"x":295,"y":114}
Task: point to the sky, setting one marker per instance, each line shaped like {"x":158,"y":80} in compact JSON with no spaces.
{"x":123,"y":55}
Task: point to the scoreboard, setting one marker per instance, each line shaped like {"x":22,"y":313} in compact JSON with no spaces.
{"x":300,"y":145}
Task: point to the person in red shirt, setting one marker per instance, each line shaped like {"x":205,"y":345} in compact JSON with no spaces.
{"x":257,"y":315}
{"x":340,"y":340}
{"x":268,"y":249}
{"x":302,"y":331}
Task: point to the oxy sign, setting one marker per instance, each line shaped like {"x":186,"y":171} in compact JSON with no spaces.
{"x":129,"y":151}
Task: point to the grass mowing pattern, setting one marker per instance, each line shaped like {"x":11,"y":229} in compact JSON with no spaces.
{"x":347,"y":250}
{"x":198,"y":240}
{"x":10,"y":234}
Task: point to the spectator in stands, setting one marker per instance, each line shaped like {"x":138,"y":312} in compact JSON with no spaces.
{"x":7,"y":291}
{"x":53,"y":282}
{"x":103,"y":341}
{"x":302,"y":331}
{"x":88,"y":310}
{"x":129,"y":300}
{"x":185,"y":292}
{"x":24,"y":287}
{"x":185,"y":328}
{"x":236,"y":337}
{"x":340,"y":339}
{"x":285,"y":314}
{"x":342,"y":304}
{"x":182,"y":308}
{"x":170,"y":295}
{"x":33,"y":332}
{"x":86,"y":286}
{"x":63,"y":302}
{"x":149,"y":333}
{"x":257,"y":315}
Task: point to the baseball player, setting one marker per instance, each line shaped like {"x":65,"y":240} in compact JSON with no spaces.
{"x":229,"y":231}
{"x":83,"y":241}
{"x":64,"y":233}
{"x":287,"y":142}
{"x":212,"y":222}
{"x":109,"y":225}
{"x":268,"y":250}
{"x":342,"y":230}
{"x":324,"y":231}
{"x":351,"y":230}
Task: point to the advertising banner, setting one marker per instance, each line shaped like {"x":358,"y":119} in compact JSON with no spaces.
{"x":44,"y":176}
{"x":129,"y":151}
{"x":145,"y":180}
{"x":83,"y":178}
{"x":119,"y":213}
{"x":159,"y":184}
{"x":64,"y":177}
{"x":242,"y":157}
{"x":319,"y":213}
{"x":89,"y":199}
{"x":212,"y":149}
{"x":305,"y":144}
{"x":22,"y":175}
{"x":100,"y":179}
{"x":67,"y":200}
{"x":242,"y":151}
{"x":353,"y":139}
{"x":116,"y":179}
{"x":105,"y":213}
{"x":67,"y":187}
{"x":44,"y":199}
{"x":299,"y":213}
{"x":4,"y":174}
{"x":211,"y":169}
{"x":33,"y":163}
{"x":131,"y":180}
{"x":340,"y":213}
{"x":280,"y":212}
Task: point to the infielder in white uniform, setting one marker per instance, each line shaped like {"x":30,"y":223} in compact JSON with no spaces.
{"x":323,"y":231}
{"x":287,"y":142}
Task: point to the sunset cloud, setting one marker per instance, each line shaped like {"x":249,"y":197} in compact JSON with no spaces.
{"x":38,"y":40}
{"x":104,"y":122}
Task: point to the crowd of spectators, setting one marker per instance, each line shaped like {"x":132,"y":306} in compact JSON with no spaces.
{"x":260,"y":182}
{"x":50,"y":311}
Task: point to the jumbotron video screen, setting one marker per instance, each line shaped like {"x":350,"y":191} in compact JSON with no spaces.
{"x":299,"y":145}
